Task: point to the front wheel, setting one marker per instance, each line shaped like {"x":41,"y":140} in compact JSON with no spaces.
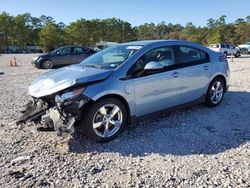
{"x":215,"y":92}
{"x":104,"y":120}
{"x":47,"y":64}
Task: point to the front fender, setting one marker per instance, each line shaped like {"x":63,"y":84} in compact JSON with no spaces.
{"x":118,"y":88}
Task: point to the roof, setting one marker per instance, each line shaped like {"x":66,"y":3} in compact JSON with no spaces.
{"x":147,"y":42}
{"x":159,"y":43}
{"x":71,"y":46}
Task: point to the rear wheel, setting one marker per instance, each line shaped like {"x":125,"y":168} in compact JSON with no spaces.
{"x":215,"y":92}
{"x":237,"y":54}
{"x":47,"y":64}
{"x":104,"y":120}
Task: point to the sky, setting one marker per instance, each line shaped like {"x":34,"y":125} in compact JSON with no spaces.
{"x":135,"y":12}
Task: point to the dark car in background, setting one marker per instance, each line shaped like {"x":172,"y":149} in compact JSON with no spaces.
{"x":62,"y":56}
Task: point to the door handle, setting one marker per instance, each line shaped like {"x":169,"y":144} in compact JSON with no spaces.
{"x":176,"y":74}
{"x":206,"y":67}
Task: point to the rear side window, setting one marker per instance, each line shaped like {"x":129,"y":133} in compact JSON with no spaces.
{"x":227,"y":46}
{"x":79,"y":50}
{"x":190,"y":54}
{"x":222,"y":45}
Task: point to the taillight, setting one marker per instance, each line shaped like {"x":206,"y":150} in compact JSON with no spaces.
{"x":222,"y":58}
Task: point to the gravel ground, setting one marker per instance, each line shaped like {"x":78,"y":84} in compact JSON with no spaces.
{"x":195,"y":147}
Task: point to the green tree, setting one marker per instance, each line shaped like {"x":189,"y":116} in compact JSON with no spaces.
{"x":6,"y":30}
{"x":210,"y":23}
{"x":22,"y":30}
{"x":50,"y":36}
{"x":248,"y":19}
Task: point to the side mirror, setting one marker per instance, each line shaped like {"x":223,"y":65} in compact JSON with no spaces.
{"x":153,"y":66}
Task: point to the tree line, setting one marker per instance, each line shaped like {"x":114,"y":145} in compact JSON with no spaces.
{"x":23,"y":30}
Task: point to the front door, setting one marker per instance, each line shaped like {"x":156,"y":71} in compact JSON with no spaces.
{"x":63,"y":56}
{"x":156,"y":90}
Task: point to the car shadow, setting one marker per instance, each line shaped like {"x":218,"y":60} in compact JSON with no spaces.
{"x":196,"y":130}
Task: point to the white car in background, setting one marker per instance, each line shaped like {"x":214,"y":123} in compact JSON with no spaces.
{"x":226,"y":49}
{"x":245,"y":48}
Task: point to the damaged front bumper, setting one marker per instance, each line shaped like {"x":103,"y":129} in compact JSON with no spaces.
{"x":58,"y":115}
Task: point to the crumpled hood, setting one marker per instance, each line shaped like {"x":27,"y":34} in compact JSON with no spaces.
{"x":60,"y":79}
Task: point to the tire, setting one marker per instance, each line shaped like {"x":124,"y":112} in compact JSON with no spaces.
{"x":225,"y":54}
{"x":98,"y":123}
{"x":47,"y":64}
{"x":237,"y":54}
{"x":215,"y":92}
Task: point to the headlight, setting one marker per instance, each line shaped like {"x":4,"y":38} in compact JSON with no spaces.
{"x":69,"y":95}
{"x":38,"y":58}
{"x":48,"y":86}
{"x":35,"y":58}
{"x":43,"y":86}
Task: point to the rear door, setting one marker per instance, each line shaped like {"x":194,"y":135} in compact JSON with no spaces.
{"x":196,"y":68}
{"x":79,"y":54}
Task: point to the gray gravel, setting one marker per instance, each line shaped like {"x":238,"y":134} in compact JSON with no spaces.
{"x":195,"y":147}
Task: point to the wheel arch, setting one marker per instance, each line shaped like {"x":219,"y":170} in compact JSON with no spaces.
{"x":120,"y":98}
{"x":221,"y":76}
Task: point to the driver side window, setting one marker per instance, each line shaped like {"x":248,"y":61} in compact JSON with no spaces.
{"x":64,"y":51}
{"x":163,"y":55}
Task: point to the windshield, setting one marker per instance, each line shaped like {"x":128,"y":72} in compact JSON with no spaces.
{"x":111,"y":57}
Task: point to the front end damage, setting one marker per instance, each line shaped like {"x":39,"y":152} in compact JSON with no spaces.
{"x":55,"y":112}
{"x":58,"y":97}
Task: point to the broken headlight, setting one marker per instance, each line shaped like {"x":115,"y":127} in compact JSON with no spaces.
{"x":48,"y":86}
{"x":68,"y":95}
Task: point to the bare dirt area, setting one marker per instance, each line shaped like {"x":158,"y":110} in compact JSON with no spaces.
{"x":195,"y":147}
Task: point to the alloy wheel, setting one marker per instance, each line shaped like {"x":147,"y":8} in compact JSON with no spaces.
{"x":107,"y":120}
{"x":47,"y":64}
{"x":216,"y":92}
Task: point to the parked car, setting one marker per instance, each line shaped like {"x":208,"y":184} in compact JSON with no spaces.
{"x":226,"y":49}
{"x":245,"y":48}
{"x":62,"y":56}
{"x":122,"y":83}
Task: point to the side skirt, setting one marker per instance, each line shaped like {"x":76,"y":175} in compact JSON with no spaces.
{"x":154,"y":115}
